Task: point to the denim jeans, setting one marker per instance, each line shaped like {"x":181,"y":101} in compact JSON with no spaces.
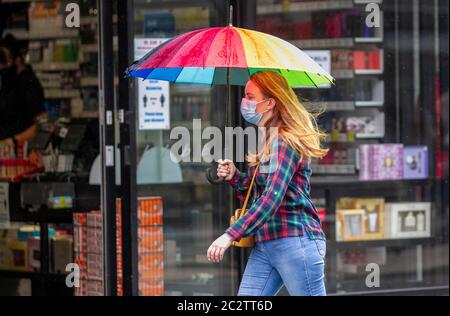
{"x":295,"y":262}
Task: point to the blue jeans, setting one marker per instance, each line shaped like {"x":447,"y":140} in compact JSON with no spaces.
{"x":295,"y":262}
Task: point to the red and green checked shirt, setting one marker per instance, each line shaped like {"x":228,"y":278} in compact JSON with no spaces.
{"x":281,"y":206}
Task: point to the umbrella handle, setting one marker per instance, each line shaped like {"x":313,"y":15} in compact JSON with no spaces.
{"x":212,"y":177}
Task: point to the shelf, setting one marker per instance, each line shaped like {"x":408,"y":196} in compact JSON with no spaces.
{"x":368,"y":40}
{"x":93,"y":48}
{"x":93,"y":81}
{"x":334,"y":169}
{"x":344,"y":105}
{"x":29,"y":274}
{"x":333,"y":105}
{"x":62,"y":94}
{"x":307,"y":6}
{"x":381,"y":243}
{"x":369,"y":72}
{"x":34,"y":35}
{"x":86,"y":114}
{"x":326,"y":43}
{"x":349,"y":181}
{"x":369,"y":103}
{"x":367,"y":1}
{"x":369,"y":136}
{"x":343,"y":74}
{"x":56,"y":66}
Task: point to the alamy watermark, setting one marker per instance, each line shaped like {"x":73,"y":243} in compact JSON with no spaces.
{"x":373,"y":278}
{"x":73,"y":277}
{"x":72,"y":14}
{"x":373,"y":19}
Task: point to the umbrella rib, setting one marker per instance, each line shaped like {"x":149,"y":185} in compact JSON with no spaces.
{"x":311,"y":79}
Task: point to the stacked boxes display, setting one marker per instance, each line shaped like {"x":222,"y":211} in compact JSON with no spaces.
{"x":89,"y":249}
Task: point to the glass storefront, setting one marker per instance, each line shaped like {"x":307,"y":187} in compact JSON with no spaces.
{"x":194,"y":210}
{"x":382,"y":191}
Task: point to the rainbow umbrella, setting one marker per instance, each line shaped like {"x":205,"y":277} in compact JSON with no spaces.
{"x":228,"y":55}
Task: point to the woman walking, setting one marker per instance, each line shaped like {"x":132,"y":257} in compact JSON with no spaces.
{"x":290,"y":244}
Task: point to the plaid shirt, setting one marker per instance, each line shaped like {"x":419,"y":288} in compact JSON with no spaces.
{"x":282,"y":206}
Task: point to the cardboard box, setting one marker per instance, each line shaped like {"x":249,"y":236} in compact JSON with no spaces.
{"x":374,"y":215}
{"x":381,"y":161}
{"x":350,"y":224}
{"x":408,"y":220}
{"x":415,"y":162}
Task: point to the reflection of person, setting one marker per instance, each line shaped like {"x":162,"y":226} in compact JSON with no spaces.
{"x":21,"y":96}
{"x":290,"y":244}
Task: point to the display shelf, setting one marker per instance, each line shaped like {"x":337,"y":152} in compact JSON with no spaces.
{"x":326,"y":43}
{"x":30,"y":274}
{"x":350,"y":182}
{"x":306,"y":6}
{"x":43,"y":35}
{"x":56,"y":66}
{"x":93,"y":81}
{"x":425,"y":290}
{"x":381,"y":243}
{"x":61,"y":94}
{"x":343,"y":73}
{"x":369,"y":136}
{"x":369,"y":103}
{"x":367,"y":1}
{"x":362,"y":72}
{"x":333,"y":105}
{"x":368,"y":40}
{"x":333,"y":169}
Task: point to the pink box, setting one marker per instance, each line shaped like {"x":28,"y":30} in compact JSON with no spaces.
{"x":381,"y":161}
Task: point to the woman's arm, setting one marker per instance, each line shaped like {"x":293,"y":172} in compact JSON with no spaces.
{"x":240,"y":183}
{"x":270,"y":200}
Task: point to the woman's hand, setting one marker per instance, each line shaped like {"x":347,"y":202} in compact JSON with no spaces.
{"x":218,"y":248}
{"x":225,"y":169}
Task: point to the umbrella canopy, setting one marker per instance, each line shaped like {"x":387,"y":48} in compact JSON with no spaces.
{"x":228,"y":55}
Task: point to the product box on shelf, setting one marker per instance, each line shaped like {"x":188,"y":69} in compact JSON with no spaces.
{"x":380,"y":161}
{"x":408,"y":220}
{"x":374,"y":215}
{"x":350,"y":224}
{"x":5,"y":255}
{"x":365,"y":60}
{"x":415,"y":162}
{"x":151,"y":287}
{"x":44,"y":17}
{"x":19,"y":256}
{"x":34,"y":253}
{"x":7,"y":235}
{"x":88,"y":238}
{"x":62,"y":253}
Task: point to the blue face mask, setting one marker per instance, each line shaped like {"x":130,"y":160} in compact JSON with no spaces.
{"x":248,"y":111}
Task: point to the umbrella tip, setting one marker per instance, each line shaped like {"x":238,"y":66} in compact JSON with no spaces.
{"x":231,"y":16}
